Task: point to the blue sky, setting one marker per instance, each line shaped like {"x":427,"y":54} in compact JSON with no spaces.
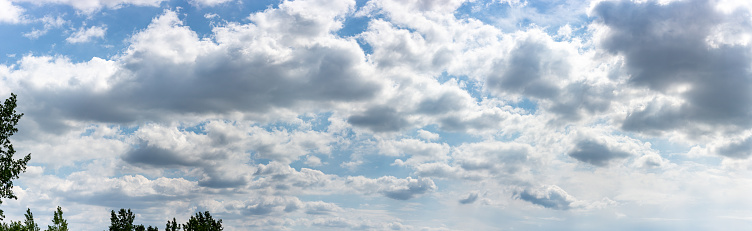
{"x":384,"y":114}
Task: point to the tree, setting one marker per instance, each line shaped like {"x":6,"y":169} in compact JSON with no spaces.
{"x":58,"y":223}
{"x":9,"y":167}
{"x":172,"y":225}
{"x":29,"y":224}
{"x":13,"y":226}
{"x":202,"y":222}
{"x":123,"y":221}
{"x":152,"y":228}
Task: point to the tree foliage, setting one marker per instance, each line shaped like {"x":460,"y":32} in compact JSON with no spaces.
{"x":172,"y":225}
{"x":9,"y":167}
{"x":58,"y":223}
{"x":123,"y":221}
{"x":203,"y":222}
{"x":29,"y":224}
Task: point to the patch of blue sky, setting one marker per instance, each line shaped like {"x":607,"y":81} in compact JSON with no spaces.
{"x":530,"y":106}
{"x":203,"y":19}
{"x":521,"y":16}
{"x":318,"y":121}
{"x":88,"y":132}
{"x":352,"y":26}
{"x":199,"y":129}
{"x":127,"y":130}
{"x":364,"y":46}
{"x":373,"y":164}
{"x":233,"y":11}
{"x":487,"y":12}
{"x":43,"y":42}
{"x":51,"y":41}
{"x":64,"y":170}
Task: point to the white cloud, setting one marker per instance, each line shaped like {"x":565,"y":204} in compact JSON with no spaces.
{"x":49,"y":23}
{"x":313,"y":161}
{"x":392,"y":187}
{"x":417,"y":151}
{"x":275,"y":121}
{"x":10,"y":13}
{"x":83,"y":35}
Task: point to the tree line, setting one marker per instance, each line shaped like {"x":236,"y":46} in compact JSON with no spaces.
{"x":120,"y":221}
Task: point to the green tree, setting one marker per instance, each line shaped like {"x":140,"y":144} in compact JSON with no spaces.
{"x":29,"y":224}
{"x":203,"y":222}
{"x":9,"y":167}
{"x":58,"y":223}
{"x":172,"y":225}
{"x":123,"y":221}
{"x":13,"y":226}
{"x":152,"y":228}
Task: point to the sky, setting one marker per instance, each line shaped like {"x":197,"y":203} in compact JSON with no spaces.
{"x":383,"y":114}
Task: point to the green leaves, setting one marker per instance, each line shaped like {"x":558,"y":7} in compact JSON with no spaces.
{"x":203,"y":222}
{"x":29,"y":224}
{"x":58,"y":223}
{"x":123,"y":221}
{"x":9,"y":167}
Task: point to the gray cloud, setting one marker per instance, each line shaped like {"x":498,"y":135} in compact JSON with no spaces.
{"x":413,"y":189}
{"x":447,"y":102}
{"x":551,"y":197}
{"x":666,"y":46}
{"x":595,"y":153}
{"x":472,"y":197}
{"x":580,"y":98}
{"x":191,"y":76}
{"x":265,"y":206}
{"x":392,"y":187}
{"x":379,"y":119}
{"x":525,"y":71}
{"x":737,"y":150}
{"x":155,"y":156}
{"x":218,"y":157}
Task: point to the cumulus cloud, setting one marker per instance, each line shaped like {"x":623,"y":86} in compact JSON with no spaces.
{"x":134,"y":191}
{"x":10,"y":13}
{"x":219,"y":166}
{"x":242,"y":112}
{"x":666,"y":56}
{"x":212,"y":78}
{"x":737,"y":150}
{"x":379,"y":119}
{"x":417,"y":150}
{"x":494,"y":157}
{"x":392,"y":187}
{"x":595,"y":153}
{"x":531,"y":69}
{"x":471,"y":198}
{"x":550,"y":196}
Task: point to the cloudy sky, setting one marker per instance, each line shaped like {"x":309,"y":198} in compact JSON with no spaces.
{"x":384,"y":114}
